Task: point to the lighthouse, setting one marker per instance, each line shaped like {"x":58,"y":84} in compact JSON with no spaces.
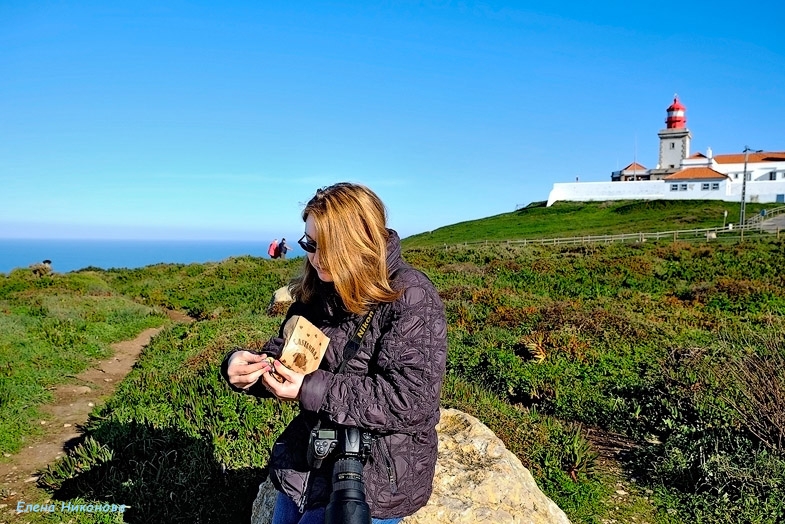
{"x":674,"y":139}
{"x":677,"y":115}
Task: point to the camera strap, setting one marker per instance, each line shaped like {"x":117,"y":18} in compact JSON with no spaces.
{"x":353,"y":345}
{"x":351,"y":348}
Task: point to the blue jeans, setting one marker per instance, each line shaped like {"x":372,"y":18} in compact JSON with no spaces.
{"x":286,"y":512}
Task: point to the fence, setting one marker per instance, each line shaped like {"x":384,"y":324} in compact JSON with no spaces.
{"x":766,"y":214}
{"x":755,"y":227}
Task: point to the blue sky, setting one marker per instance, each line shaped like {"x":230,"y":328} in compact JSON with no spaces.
{"x":220,"y":119}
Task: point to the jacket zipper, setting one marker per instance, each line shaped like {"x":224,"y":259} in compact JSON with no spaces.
{"x":304,"y":498}
{"x":388,"y":466}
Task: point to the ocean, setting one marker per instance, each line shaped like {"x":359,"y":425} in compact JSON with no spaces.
{"x":70,"y":255}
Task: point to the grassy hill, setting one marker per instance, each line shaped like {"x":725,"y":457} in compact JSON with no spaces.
{"x":566,"y":219}
{"x":668,"y":352}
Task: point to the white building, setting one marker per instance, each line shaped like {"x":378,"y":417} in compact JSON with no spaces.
{"x":679,"y":176}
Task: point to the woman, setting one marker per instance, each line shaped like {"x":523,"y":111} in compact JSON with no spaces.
{"x":389,"y":388}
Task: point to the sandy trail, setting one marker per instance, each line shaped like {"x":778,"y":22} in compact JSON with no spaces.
{"x":64,"y":416}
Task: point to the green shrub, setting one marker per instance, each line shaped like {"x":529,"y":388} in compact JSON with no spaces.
{"x":676,"y":346}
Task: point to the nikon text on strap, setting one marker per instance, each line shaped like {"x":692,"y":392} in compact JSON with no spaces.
{"x":353,"y":345}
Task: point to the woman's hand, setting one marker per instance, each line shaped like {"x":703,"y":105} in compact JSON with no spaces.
{"x":289,"y":389}
{"x":245,"y":368}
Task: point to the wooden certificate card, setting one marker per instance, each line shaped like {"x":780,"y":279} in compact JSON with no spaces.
{"x":304,"y":346}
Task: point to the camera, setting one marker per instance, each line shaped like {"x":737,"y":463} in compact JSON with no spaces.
{"x":352,"y":447}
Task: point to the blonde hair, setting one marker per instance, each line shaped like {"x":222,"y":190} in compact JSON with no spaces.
{"x":351,"y":230}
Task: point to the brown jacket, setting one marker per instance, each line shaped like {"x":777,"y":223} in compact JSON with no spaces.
{"x":390,"y":388}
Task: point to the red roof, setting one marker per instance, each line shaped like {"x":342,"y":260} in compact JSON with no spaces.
{"x":738,"y":158}
{"x":634,"y":167}
{"x":696,"y":173}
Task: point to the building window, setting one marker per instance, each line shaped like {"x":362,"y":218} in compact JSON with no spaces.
{"x":683,"y":187}
{"x":673,"y":145}
{"x":773,"y":175}
{"x":715,"y":186}
{"x":736,"y":176}
{"x":674,"y":187}
{"x":704,"y":187}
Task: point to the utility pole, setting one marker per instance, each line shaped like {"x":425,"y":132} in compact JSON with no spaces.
{"x":742,"y":212}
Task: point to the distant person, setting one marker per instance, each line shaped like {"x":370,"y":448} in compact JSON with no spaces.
{"x":282,"y":249}
{"x":272,"y":250}
{"x":382,"y":373}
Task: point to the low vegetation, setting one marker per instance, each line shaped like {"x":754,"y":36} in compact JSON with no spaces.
{"x":675,"y":349}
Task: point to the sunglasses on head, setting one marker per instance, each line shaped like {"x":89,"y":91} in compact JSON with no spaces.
{"x":308,"y":244}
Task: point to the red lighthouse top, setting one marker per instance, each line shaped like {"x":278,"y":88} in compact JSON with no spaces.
{"x":677,"y":114}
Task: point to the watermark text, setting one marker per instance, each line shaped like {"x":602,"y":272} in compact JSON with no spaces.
{"x":69,"y":507}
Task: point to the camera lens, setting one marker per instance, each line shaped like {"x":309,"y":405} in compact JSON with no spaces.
{"x":348,"y":477}
{"x":347,"y":502}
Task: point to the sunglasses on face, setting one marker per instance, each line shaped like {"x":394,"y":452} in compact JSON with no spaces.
{"x":308,"y":244}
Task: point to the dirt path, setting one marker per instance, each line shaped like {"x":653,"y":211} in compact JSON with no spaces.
{"x":774,"y":225}
{"x":66,"y":414}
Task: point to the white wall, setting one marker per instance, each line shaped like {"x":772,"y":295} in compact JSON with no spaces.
{"x":730,"y":191}
{"x":760,"y":171}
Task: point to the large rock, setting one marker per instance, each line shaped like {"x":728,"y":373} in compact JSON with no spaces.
{"x":280,"y":302}
{"x":262,"y":512}
{"x":477,"y":480}
{"x":41,"y":269}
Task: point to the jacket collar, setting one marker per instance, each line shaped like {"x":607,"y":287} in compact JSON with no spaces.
{"x":394,"y":258}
